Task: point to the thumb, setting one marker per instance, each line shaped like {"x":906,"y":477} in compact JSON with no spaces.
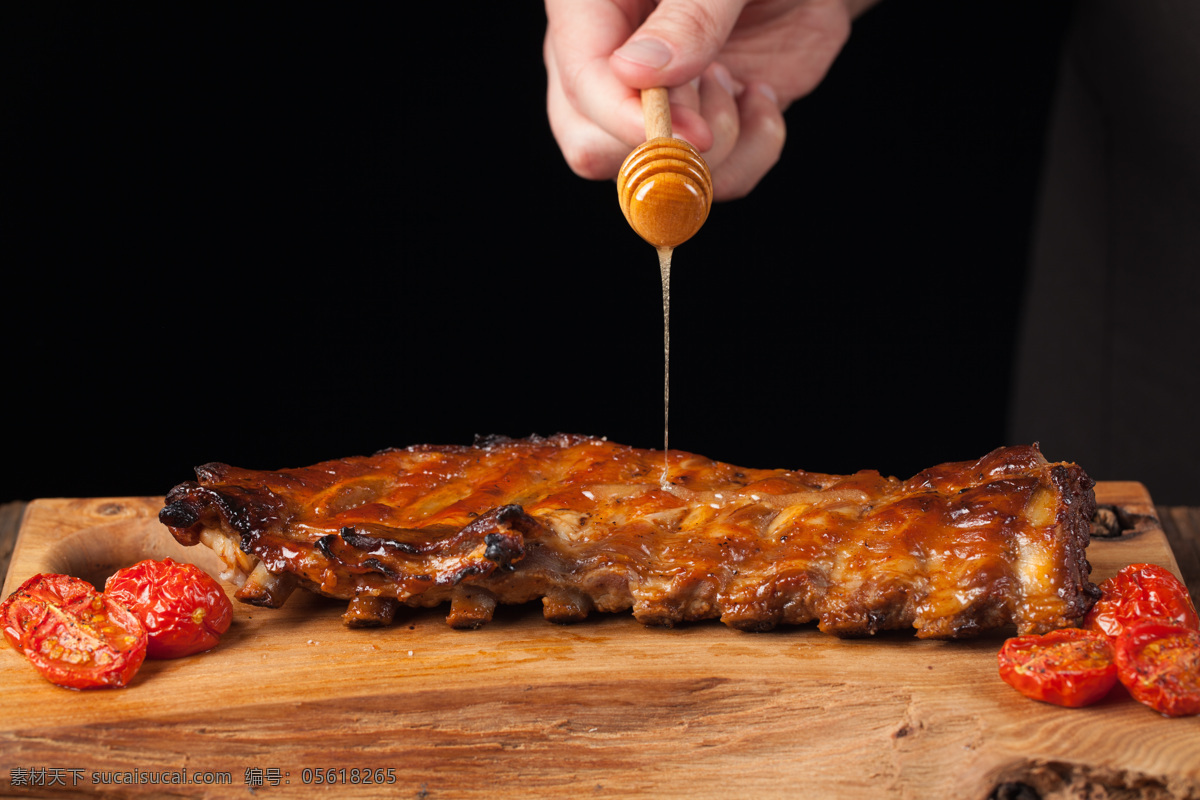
{"x":676,"y":43}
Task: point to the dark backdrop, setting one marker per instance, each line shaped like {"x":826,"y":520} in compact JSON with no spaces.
{"x":275,"y":235}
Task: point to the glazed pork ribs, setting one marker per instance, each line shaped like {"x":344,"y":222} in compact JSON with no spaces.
{"x":585,"y":524}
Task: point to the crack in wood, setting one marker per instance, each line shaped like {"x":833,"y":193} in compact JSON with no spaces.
{"x":1115,"y":521}
{"x":1061,"y":780}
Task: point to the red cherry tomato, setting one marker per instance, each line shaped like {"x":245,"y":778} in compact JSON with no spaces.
{"x":1138,"y":593}
{"x":183,"y":609}
{"x":1069,"y":667}
{"x":1159,"y":664}
{"x":21,"y":608}
{"x":73,"y":635}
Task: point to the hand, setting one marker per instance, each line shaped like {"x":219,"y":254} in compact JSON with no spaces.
{"x":733,"y":67}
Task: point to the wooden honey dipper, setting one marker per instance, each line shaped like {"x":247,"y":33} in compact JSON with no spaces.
{"x":664,"y":186}
{"x":665,"y":191}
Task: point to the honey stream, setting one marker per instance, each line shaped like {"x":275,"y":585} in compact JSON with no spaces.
{"x":664,"y":268}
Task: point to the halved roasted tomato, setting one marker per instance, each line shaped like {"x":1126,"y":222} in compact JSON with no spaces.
{"x":1069,"y":667}
{"x":1159,"y":664}
{"x":72,"y":634}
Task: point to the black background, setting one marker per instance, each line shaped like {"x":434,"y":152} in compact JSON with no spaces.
{"x":275,"y":235}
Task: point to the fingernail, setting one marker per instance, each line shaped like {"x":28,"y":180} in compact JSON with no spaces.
{"x":647,"y":51}
{"x":724,"y":78}
{"x":766,"y":91}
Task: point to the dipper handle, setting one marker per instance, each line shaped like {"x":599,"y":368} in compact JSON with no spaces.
{"x":656,"y":108}
{"x":664,"y":187}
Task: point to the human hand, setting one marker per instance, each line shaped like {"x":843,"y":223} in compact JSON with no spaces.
{"x":733,"y":67}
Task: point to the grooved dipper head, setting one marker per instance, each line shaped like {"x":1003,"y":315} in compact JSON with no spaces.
{"x":665,"y":191}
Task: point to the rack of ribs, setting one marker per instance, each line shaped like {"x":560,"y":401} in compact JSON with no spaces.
{"x":585,"y":524}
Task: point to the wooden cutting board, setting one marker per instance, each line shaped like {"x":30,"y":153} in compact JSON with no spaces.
{"x":292,"y":704}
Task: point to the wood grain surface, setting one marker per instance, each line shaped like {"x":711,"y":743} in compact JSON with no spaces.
{"x":523,"y":708}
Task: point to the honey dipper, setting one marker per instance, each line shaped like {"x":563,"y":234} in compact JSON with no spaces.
{"x":664,"y":186}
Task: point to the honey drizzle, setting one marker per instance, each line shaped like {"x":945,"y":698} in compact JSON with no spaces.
{"x":664,"y":268}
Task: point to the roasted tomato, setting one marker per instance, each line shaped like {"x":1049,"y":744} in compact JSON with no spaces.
{"x":1069,"y":667}
{"x":74,"y":636}
{"x":183,"y":609}
{"x":18,"y":612}
{"x":1138,"y":593}
{"x":1159,"y":664}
